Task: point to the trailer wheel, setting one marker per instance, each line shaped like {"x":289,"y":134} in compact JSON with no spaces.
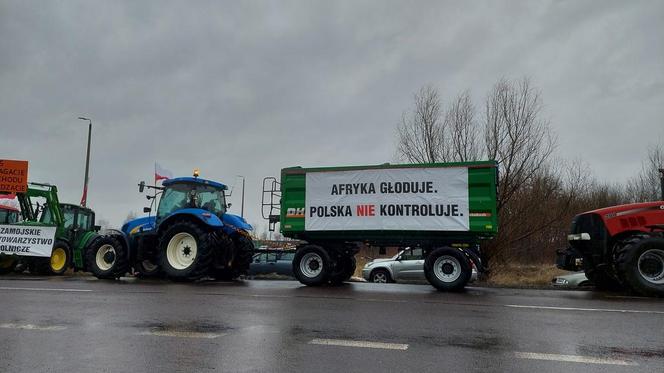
{"x":640,"y":263}
{"x":311,"y":265}
{"x":185,"y":251}
{"x":447,"y":269}
{"x":344,"y":271}
{"x":106,"y":258}
{"x":57,"y":263}
{"x":7,"y":264}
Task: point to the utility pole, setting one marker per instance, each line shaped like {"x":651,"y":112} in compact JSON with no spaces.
{"x":242,"y":203}
{"x":84,"y":198}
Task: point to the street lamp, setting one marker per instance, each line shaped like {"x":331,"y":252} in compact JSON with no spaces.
{"x":242,"y":204}
{"x":84,"y":198}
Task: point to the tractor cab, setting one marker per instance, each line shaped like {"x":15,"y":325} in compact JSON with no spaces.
{"x":191,"y":193}
{"x":76,"y":220}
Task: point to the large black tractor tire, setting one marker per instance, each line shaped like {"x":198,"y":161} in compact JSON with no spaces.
{"x":447,"y":269}
{"x":242,"y":253}
{"x":106,"y":258}
{"x":312,"y":265}
{"x":147,"y":269}
{"x":640,"y":264}
{"x":7,"y":264}
{"x":344,"y":270}
{"x":185,"y":251}
{"x":57,"y":263}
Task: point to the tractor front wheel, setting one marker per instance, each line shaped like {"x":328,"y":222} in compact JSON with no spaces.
{"x":58,"y":262}
{"x":106,"y":258}
{"x":640,"y":264}
{"x":185,"y":251}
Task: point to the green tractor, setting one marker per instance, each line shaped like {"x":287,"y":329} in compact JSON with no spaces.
{"x":77,"y":242}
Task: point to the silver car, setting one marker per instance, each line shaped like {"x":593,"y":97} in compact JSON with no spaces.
{"x":407,"y":265}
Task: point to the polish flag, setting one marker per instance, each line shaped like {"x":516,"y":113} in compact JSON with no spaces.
{"x":161,"y":173}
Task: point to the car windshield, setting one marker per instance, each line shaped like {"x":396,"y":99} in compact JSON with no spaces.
{"x":189,"y":195}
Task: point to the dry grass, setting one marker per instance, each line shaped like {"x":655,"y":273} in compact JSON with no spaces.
{"x":515,"y":275}
{"x":360,"y":262}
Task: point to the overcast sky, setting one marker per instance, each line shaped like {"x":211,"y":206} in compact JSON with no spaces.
{"x":247,"y":88}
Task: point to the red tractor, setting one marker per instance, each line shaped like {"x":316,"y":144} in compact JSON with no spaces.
{"x":619,"y":246}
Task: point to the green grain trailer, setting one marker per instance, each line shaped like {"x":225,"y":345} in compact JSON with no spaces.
{"x":447,"y":209}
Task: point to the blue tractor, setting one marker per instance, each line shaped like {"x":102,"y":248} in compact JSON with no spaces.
{"x":190,"y":236}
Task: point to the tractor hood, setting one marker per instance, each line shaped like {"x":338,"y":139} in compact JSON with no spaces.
{"x":146,"y":223}
{"x":236,"y":222}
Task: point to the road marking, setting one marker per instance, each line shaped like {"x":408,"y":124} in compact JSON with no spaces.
{"x":32,"y":327}
{"x":47,"y":289}
{"x":182,"y":334}
{"x":584,"y":309}
{"x":361,"y":344}
{"x":572,"y":359}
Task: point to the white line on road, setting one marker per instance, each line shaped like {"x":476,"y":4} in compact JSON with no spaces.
{"x":572,"y":359}
{"x":47,"y":289}
{"x":32,"y":327}
{"x":361,"y":344}
{"x":584,"y":309}
{"x":182,"y":334}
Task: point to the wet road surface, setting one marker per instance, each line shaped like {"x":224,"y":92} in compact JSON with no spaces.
{"x":80,"y":324}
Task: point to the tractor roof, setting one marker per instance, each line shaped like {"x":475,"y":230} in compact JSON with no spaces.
{"x":195,"y":180}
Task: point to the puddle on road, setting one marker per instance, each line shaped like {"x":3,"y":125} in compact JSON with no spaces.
{"x":192,"y":327}
{"x":623,"y":352}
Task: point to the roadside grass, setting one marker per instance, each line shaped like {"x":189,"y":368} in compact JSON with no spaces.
{"x":522,"y":275}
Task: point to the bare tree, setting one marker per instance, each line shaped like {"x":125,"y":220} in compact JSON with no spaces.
{"x":646,"y":185}
{"x":421,"y":135}
{"x":130,"y":216}
{"x":464,"y":139}
{"x":515,"y":135}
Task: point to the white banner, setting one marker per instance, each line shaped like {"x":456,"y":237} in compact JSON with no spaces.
{"x":428,"y":199}
{"x":26,"y":240}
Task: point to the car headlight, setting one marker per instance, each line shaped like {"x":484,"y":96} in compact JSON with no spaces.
{"x":368,"y":265}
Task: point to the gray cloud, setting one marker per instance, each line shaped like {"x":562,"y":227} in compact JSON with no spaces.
{"x":246,"y":88}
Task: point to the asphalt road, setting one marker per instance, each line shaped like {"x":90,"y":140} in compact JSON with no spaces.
{"x":80,"y":324}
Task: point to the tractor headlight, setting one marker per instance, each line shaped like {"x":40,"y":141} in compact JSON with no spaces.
{"x":578,"y":237}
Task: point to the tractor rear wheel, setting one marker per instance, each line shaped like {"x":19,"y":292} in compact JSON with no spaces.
{"x":312,"y":265}
{"x":447,"y":269}
{"x":185,"y":251}
{"x":7,"y":264}
{"x":243,"y":252}
{"x":58,"y":262}
{"x":344,"y":270}
{"x":640,"y":264}
{"x":106,"y":258}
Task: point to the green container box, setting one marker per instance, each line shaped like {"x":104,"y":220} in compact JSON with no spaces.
{"x":482,"y":221}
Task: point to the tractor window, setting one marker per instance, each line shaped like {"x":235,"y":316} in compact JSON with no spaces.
{"x":174,"y":198}
{"x":68,"y":215}
{"x":8,"y":216}
{"x":46,"y":216}
{"x":84,"y":221}
{"x":179,"y":196}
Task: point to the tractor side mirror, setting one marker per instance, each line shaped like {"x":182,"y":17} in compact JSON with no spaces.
{"x":141,"y":186}
{"x":146,"y":209}
{"x":97,"y":228}
{"x":228,"y":205}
